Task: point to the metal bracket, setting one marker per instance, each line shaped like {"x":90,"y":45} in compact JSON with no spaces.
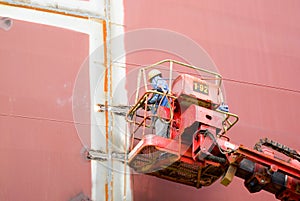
{"x":228,"y":176}
{"x":101,"y":156}
{"x":118,"y":109}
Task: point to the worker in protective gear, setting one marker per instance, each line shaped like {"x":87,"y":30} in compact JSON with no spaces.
{"x":158,"y":100}
{"x":159,"y":84}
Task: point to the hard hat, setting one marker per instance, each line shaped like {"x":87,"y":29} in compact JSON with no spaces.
{"x":153,"y":73}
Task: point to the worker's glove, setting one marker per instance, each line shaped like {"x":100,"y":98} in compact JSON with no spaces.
{"x":150,"y":102}
{"x":223,"y":107}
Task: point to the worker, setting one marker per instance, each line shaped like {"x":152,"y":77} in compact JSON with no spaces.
{"x":159,"y":84}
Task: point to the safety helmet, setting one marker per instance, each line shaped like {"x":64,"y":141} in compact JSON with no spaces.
{"x":153,"y":73}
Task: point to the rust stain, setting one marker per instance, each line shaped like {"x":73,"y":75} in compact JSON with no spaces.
{"x":112,"y":188}
{"x":106,"y":127}
{"x":106,"y":192}
{"x":105,"y":57}
{"x":110,"y":69}
{"x":105,"y":87}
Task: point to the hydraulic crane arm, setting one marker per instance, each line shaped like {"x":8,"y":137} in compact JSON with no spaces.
{"x":273,"y":163}
{"x":263,"y":170}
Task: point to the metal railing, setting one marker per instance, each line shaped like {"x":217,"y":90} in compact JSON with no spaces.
{"x":142,"y":74}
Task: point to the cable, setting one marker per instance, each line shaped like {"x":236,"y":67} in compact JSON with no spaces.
{"x":140,"y":65}
{"x":47,"y":119}
{"x":225,"y":79}
{"x":262,"y":85}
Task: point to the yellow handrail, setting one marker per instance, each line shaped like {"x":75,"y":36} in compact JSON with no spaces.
{"x":142,"y":71}
{"x":227,"y":124}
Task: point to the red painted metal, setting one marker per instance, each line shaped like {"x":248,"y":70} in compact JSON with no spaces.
{"x":267,"y":160}
{"x":201,"y":163}
{"x":196,"y":113}
{"x":195,"y":87}
{"x":210,"y":157}
{"x":147,"y":158}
